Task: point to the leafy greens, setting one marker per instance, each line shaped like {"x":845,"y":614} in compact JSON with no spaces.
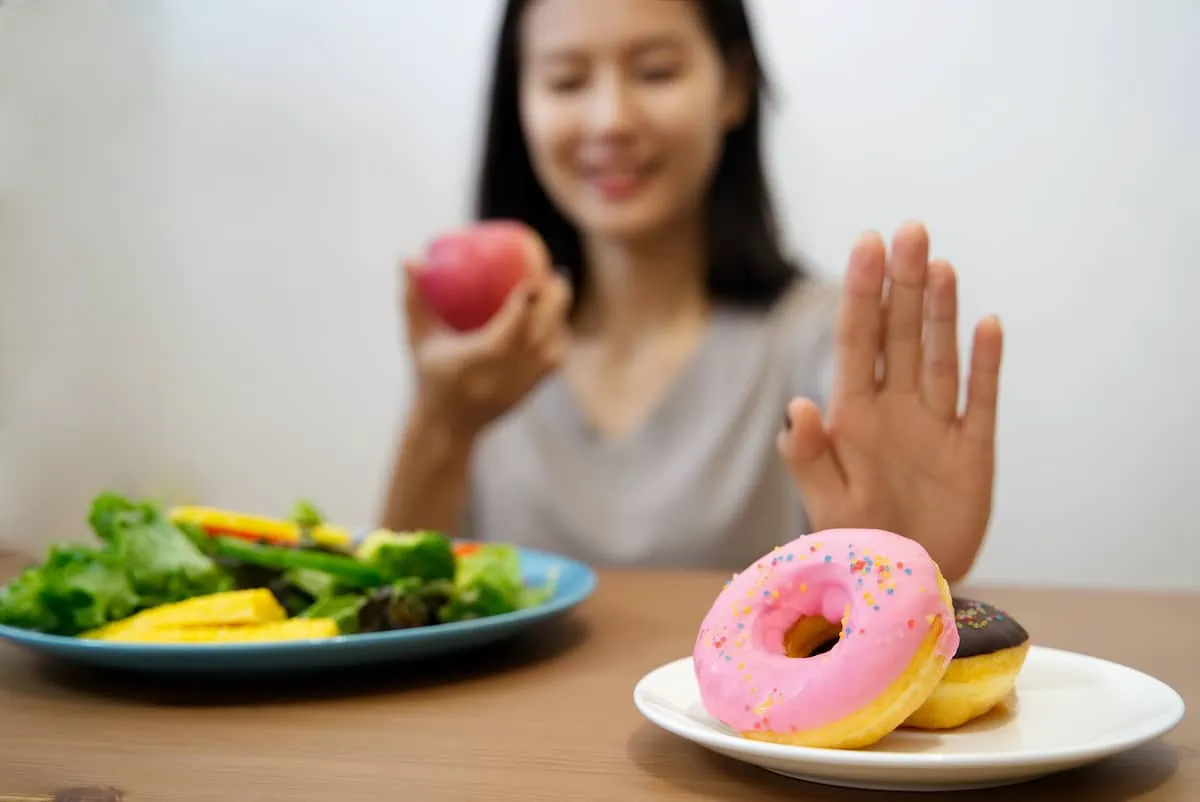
{"x":145,"y":559}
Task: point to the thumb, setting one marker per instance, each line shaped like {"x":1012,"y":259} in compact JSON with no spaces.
{"x":419,"y":319}
{"x":808,"y":453}
{"x":508,"y":326}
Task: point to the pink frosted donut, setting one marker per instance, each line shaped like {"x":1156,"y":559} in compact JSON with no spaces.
{"x":877,"y":597}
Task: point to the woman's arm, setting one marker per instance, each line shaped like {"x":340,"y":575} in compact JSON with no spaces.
{"x":429,"y":480}
{"x":463,"y":382}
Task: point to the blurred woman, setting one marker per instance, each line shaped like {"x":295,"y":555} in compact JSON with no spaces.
{"x":679,"y":392}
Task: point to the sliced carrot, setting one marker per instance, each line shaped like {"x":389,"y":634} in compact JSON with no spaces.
{"x":466,"y":549}
{"x":253,"y":537}
{"x":257,"y":528}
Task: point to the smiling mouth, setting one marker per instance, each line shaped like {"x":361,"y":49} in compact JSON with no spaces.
{"x":619,"y":184}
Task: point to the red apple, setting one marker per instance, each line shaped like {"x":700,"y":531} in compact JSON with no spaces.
{"x":468,"y":274}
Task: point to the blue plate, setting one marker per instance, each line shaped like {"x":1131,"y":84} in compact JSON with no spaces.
{"x":575,"y":582}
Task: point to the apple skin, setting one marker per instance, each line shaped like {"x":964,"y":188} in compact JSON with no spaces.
{"x":468,"y":274}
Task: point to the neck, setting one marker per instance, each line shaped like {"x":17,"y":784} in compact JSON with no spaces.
{"x":634,"y":287}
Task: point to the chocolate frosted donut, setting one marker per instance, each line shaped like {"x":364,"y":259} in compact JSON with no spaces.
{"x":992,"y":647}
{"x":984,"y":629}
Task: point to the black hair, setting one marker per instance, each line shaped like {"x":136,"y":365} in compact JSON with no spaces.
{"x":747,"y":266}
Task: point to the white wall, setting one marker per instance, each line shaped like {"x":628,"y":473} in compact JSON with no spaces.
{"x":201,"y":205}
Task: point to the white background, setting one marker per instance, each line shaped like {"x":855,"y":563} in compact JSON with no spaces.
{"x":201,"y":206}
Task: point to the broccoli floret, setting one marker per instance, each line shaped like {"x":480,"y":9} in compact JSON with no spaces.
{"x":489,"y":582}
{"x":423,"y":555}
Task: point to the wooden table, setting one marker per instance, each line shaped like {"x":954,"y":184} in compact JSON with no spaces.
{"x":548,"y":716}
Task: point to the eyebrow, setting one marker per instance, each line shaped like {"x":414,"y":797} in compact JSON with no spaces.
{"x":660,"y":42}
{"x":639,"y":46}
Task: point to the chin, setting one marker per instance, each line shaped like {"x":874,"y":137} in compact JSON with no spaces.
{"x":626,"y":222}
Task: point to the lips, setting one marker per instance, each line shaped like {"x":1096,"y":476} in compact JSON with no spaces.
{"x":615,"y":185}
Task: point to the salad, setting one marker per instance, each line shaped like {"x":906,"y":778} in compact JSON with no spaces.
{"x":196,"y":575}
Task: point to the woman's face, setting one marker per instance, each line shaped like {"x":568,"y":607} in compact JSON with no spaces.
{"x":624,"y":104}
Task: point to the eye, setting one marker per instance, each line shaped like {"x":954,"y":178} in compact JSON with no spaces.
{"x":658,"y":69}
{"x":566,"y":83}
{"x":658,"y":74}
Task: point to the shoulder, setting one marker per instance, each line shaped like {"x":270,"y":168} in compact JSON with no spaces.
{"x":809,"y":305}
{"x":802,"y":324}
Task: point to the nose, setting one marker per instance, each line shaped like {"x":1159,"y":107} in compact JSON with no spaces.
{"x":612,"y":107}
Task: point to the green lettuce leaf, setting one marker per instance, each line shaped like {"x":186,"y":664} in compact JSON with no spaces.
{"x":162,"y":563}
{"x":76,"y":589}
{"x":489,"y":582}
{"x":143,"y":560}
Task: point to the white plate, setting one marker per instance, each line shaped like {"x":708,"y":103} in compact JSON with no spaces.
{"x":1070,"y":709}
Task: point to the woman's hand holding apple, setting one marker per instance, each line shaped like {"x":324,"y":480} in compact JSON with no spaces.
{"x":486,"y":321}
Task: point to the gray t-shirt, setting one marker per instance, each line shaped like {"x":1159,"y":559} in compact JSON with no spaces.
{"x":699,"y":483}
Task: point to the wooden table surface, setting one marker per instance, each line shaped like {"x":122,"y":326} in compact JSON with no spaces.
{"x":548,"y":716}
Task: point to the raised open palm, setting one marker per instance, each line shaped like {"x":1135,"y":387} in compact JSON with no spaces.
{"x":893,"y":450}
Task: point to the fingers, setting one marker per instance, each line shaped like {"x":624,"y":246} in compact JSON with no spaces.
{"x":939,"y":367}
{"x":983,"y":384}
{"x":806,"y":449}
{"x":546,"y":336}
{"x":508,"y":328}
{"x":906,"y":273}
{"x":550,"y":311}
{"x":860,"y":319}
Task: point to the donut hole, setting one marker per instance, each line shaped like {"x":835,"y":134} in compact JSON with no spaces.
{"x":811,"y":635}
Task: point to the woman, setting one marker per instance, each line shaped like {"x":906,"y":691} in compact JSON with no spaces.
{"x":680,"y":394}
